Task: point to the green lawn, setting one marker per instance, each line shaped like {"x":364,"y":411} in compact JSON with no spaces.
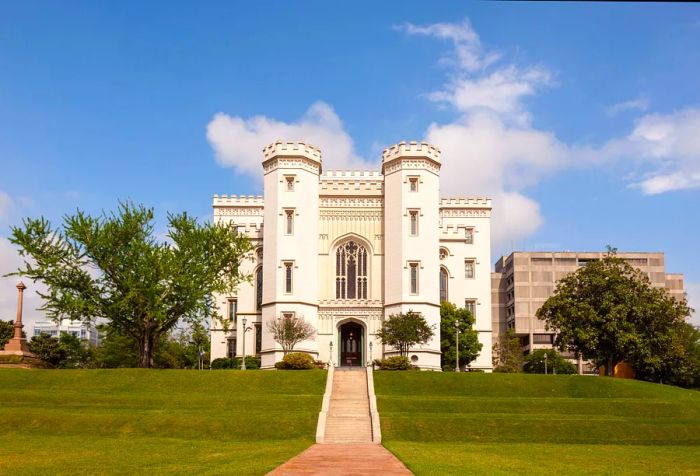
{"x":155,"y":421}
{"x":447,"y":423}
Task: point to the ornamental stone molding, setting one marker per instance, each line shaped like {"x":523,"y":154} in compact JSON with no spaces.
{"x":292,"y":163}
{"x":239,"y":211}
{"x":352,"y":202}
{"x":465,"y":212}
{"x":411,"y":164}
{"x":338,"y":214}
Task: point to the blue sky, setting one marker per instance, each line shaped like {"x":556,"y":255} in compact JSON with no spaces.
{"x":582,"y":121}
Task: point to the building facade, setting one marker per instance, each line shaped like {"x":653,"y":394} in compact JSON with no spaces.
{"x":344,"y":250}
{"x":523,"y":281}
{"x":87,"y":332}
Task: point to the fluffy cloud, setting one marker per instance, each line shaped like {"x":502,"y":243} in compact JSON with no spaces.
{"x":238,"y":142}
{"x":5,"y":205}
{"x":640,"y":104}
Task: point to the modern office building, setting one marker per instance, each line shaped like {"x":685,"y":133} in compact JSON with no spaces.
{"x":83,"y":331}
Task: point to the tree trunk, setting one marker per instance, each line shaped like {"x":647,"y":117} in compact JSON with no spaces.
{"x":146,"y":351}
{"x":610,"y":367}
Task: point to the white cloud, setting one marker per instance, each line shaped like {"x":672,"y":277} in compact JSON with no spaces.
{"x":640,"y":104}
{"x":238,"y":142}
{"x":693,"y":290}
{"x":5,"y":205}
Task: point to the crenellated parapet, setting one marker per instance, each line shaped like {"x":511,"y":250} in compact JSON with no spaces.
{"x":451,"y":202}
{"x":411,"y":155}
{"x":291,"y":155}
{"x":344,"y":182}
{"x":236,"y":200}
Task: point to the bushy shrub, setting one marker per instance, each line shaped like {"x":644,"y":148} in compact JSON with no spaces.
{"x":252,"y":362}
{"x":556,"y":363}
{"x":397,"y":362}
{"x":297,"y":361}
{"x":224,"y":363}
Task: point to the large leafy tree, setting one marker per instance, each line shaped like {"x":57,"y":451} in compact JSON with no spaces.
{"x":289,"y":330}
{"x":113,"y":267}
{"x":403,"y":331}
{"x":451,"y":319}
{"x":508,"y":353}
{"x":609,"y":312}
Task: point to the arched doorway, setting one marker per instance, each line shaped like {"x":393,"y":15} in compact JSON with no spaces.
{"x":352,"y":341}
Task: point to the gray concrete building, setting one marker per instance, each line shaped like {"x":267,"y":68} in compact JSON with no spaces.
{"x":523,"y":281}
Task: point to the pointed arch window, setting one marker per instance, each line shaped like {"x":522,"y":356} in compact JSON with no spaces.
{"x":258,"y":288}
{"x":351,"y":271}
{"x":443,"y":284}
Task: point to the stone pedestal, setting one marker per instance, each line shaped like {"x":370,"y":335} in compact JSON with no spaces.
{"x":16,"y":353}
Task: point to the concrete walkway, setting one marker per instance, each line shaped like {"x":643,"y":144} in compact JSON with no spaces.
{"x":345,"y":460}
{"x":347,"y":447}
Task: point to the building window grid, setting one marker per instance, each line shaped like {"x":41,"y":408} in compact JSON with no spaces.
{"x":258,"y":288}
{"x":413,"y":184}
{"x":444,"y":276}
{"x":413,"y":216}
{"x":469,"y":236}
{"x":351,"y":271}
{"x":289,"y":182}
{"x":469,"y":269}
{"x":288,"y":277}
{"x":470,"y":305}
{"x":413,"y":272}
{"x":289,"y":222}
{"x":233,"y":311}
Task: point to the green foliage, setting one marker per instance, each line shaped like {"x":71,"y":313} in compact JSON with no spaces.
{"x":223,"y":363}
{"x":508,"y":354}
{"x":608,"y":311}
{"x":7,"y":330}
{"x":66,"y":352}
{"x":469,"y":345}
{"x":680,"y":362}
{"x":556,"y":363}
{"x":397,"y":362}
{"x":288,"y":331}
{"x":252,"y":362}
{"x":403,"y":331}
{"x":296,"y":361}
{"x":113,"y":267}
{"x":115,"y":350}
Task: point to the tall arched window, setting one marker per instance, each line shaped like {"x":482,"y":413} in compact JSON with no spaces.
{"x":443,"y":284}
{"x":351,"y":271}
{"x":258,"y":288}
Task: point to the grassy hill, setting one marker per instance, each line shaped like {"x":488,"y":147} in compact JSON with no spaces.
{"x":159,"y":422}
{"x":447,"y":423}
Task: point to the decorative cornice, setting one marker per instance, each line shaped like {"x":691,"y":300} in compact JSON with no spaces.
{"x":243,"y":211}
{"x":355,"y":202}
{"x":303,"y":163}
{"x":465,"y":212}
{"x":351,"y":214}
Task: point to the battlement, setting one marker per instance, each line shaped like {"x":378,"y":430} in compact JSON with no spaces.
{"x":480,"y":202}
{"x":291,"y":149}
{"x":235,"y":200}
{"x":345,"y":174}
{"x":411,"y":149}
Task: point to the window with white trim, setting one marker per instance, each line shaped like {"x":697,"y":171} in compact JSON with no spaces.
{"x":413,"y":217}
{"x":413,"y":277}
{"x":232,"y":310}
{"x":288,"y":276}
{"x":289,"y":222}
{"x":444,"y":276}
{"x":470,"y":305}
{"x":413,"y":184}
{"x":469,"y":236}
{"x":469,"y":268}
{"x":289,"y":182}
{"x":351,"y":271}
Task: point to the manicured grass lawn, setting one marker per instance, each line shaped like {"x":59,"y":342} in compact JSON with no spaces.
{"x":447,"y":423}
{"x":130,"y":421}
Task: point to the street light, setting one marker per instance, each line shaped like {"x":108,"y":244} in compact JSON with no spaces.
{"x":457,"y":347}
{"x":545,"y":363}
{"x":245,"y":329}
{"x":370,"y":353}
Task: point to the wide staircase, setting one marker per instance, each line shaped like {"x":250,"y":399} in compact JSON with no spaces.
{"x":348,"y":413}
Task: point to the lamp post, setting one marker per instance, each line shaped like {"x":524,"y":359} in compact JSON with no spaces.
{"x":545,"y":363}
{"x":330,"y":345}
{"x":371,"y":361}
{"x":245,"y":329}
{"x":457,"y":347}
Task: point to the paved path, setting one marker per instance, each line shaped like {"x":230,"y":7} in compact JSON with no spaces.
{"x":346,"y":460}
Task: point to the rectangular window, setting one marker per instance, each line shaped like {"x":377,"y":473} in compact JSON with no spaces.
{"x":288,"y":277}
{"x":413,"y":184}
{"x":543,"y":339}
{"x":289,"y":182}
{"x":413,"y":215}
{"x":414,"y":277}
{"x":231,"y":347}
{"x":469,"y":268}
{"x":258,"y":338}
{"x":470,"y":305}
{"x":289,"y":222}
{"x":469,"y":236}
{"x":232,"y":310}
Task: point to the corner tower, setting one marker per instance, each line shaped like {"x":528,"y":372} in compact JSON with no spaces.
{"x":290,"y":260}
{"x":411,"y":229}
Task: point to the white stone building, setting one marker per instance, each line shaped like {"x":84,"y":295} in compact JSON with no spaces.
{"x":79,"y":329}
{"x":346,"y":249}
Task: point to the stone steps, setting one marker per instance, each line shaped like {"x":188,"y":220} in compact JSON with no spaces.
{"x":348,"y":420}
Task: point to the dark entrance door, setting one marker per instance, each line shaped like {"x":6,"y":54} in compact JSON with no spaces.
{"x":351,"y":344}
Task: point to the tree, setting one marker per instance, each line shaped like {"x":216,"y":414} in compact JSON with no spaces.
{"x":680,"y":361}
{"x":469,"y":345}
{"x":403,"y":331}
{"x":7,"y":331}
{"x":556,"y":363}
{"x":609,"y":312}
{"x":508,"y":353}
{"x":65,"y":352}
{"x":113,"y":267}
{"x":289,"y":330}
